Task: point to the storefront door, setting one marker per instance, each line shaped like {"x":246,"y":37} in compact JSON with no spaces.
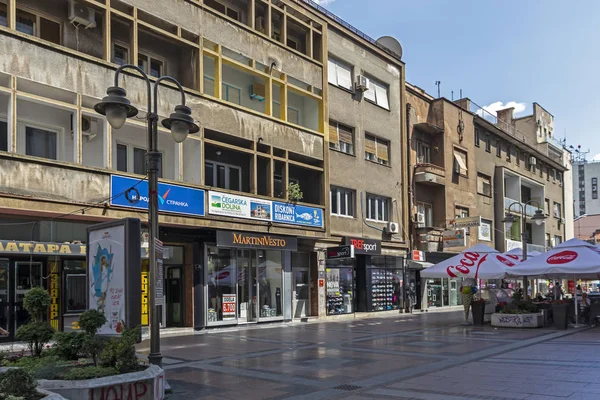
{"x":246,"y":286}
{"x":4,"y":299}
{"x":27,"y":276}
{"x":300,"y":293}
{"x":173,"y":295}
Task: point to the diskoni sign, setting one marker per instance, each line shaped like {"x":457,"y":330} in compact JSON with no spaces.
{"x":131,"y":193}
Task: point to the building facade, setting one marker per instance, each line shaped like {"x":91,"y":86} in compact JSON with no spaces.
{"x":585,"y":187}
{"x":465,"y":163}
{"x":260,"y":78}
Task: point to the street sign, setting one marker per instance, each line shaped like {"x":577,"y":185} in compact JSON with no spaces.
{"x":159,"y":278}
{"x":417,"y":255}
{"x":466,"y":222}
{"x":340,"y":252}
{"x":454,"y":238}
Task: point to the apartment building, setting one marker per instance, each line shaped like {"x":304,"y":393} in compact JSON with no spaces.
{"x":585,"y":188}
{"x":262,"y":78}
{"x":465,"y":163}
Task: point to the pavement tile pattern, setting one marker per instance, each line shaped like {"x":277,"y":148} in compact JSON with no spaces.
{"x":427,"y":356}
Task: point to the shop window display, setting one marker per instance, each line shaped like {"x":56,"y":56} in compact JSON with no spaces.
{"x":221,"y":282}
{"x":385,"y":282}
{"x":270,"y":283}
{"x":340,"y":287}
{"x":75,"y":286}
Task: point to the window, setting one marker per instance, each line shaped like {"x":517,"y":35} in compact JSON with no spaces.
{"x":423,"y":153}
{"x":120,"y":54}
{"x":476,"y":137}
{"x":341,"y":137}
{"x":234,"y":95}
{"x":222,"y":175}
{"x":378,"y":94}
{"x":377,"y":150}
{"x":484,"y":185}
{"x":594,"y":181}
{"x":425,"y":214}
{"x":35,"y":25}
{"x":460,"y":162}
{"x":547,"y":203}
{"x":557,"y":210}
{"x":151,"y":65}
{"x":377,"y":208}
{"x":121,"y":158}
{"x":541,"y":171}
{"x":461,"y":212}
{"x":518,"y":157}
{"x":557,"y":240}
{"x":498,"y":148}
{"x":278,"y":185}
{"x":139,"y":161}
{"x":548,"y":240}
{"x":342,"y":202}
{"x":74,"y":273}
{"x":41,"y":143}
{"x":230,"y":12}
{"x":553,"y":175}
{"x":293,"y":113}
{"x":508,"y":150}
{"x":3,"y":136}
{"x":488,"y":143}
{"x":559,"y":177}
{"x":339,"y":74}
{"x":548,"y":174}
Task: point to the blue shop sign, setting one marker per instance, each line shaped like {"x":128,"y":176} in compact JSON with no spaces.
{"x":130,"y":192}
{"x":287,"y":213}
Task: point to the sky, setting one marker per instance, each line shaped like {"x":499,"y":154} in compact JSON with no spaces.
{"x":499,"y":52}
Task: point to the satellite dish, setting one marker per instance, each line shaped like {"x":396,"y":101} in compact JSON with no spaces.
{"x":391,"y":43}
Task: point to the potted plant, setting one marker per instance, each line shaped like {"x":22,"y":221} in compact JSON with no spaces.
{"x":478,"y":311}
{"x":560,"y":313}
{"x":294,"y":192}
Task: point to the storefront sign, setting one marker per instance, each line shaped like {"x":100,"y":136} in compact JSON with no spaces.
{"x":131,"y":193}
{"x":340,"y":252}
{"x":54,"y":296}
{"x":364,"y":246}
{"x":229,"y":205}
{"x":159,"y":276}
{"x":454,"y":238}
{"x":145,"y":299}
{"x":256,"y":240}
{"x":417,"y":255}
{"x":41,"y":248}
{"x":287,"y":213}
{"x":321,"y":282}
{"x":114,"y":273}
{"x":466,"y":222}
{"x":229,"y":303}
{"x":485,"y":231}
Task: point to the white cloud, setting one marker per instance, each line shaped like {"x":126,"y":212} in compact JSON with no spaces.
{"x":324,"y":3}
{"x":596,"y":157}
{"x":494,"y":107}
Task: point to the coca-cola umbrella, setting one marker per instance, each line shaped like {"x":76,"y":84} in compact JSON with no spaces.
{"x":477,"y":262}
{"x":517,"y":254}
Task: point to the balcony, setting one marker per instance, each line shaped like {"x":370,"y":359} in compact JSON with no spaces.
{"x":529,"y":209}
{"x":429,"y":239}
{"x":430,"y":174}
{"x":515,"y":244}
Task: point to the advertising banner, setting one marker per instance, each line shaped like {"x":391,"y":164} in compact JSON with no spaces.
{"x":130,"y":192}
{"x":114,"y":273}
{"x":229,"y":309}
{"x":364,"y":246}
{"x":229,"y":205}
{"x":454,"y":238}
{"x":287,"y":213}
{"x":256,"y":240}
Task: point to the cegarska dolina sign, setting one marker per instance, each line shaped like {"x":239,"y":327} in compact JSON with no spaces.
{"x":340,"y":252}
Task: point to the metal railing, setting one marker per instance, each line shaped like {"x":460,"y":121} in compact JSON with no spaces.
{"x":529,"y":209}
{"x":350,"y":28}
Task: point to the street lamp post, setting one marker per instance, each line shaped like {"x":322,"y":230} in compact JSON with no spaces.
{"x":117,"y":108}
{"x":539,"y":218}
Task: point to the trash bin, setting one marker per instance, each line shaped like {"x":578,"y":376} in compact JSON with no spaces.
{"x":545,"y":318}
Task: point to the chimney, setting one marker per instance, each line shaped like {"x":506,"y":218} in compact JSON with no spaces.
{"x":465,"y":103}
{"x":505,"y":119}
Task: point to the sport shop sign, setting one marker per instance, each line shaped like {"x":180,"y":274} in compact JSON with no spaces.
{"x":364,"y":246}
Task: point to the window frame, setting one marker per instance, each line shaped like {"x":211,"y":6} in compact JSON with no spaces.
{"x":498,"y":148}
{"x":376,"y":159}
{"x":124,"y":46}
{"x":339,"y":146}
{"x":37,"y":25}
{"x":228,"y":167}
{"x":456,"y":168}
{"x":373,"y":85}
{"x":481,"y":176}
{"x":349,"y":199}
{"x":458,"y":211}
{"x":343,"y":65}
{"x":131,"y":158}
{"x":421,"y":145}
{"x":559,"y":210}
{"x":426,"y":207}
{"x":385,"y":201}
{"x":22,"y":126}
{"x":477,"y":138}
{"x":488,"y":143}
{"x":152,"y":57}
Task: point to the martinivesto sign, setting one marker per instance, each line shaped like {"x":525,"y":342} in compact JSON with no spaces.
{"x":41,"y":248}
{"x":256,"y":240}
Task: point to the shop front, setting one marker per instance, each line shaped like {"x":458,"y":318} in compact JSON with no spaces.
{"x":248,"y":278}
{"x":363,"y":280}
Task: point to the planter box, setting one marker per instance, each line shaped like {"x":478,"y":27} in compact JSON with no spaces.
{"x":517,"y":320}
{"x":560,"y":315}
{"x":47,"y":394}
{"x":478,"y":312}
{"x":145,"y":385}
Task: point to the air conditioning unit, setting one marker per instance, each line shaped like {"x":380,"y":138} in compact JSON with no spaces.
{"x":257,"y":91}
{"x":80,"y":14}
{"x":259,"y":24}
{"x":90,"y":127}
{"x":420,"y":218}
{"x":392,"y":227}
{"x":362,"y":83}
{"x":532,"y":160}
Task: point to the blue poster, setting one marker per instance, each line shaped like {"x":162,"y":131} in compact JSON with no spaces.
{"x":130,"y":192}
{"x":287,"y":213}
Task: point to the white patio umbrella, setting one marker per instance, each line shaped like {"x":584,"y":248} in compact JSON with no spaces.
{"x":477,"y":262}
{"x":580,"y":261}
{"x":574,"y":242}
{"x":517,"y":254}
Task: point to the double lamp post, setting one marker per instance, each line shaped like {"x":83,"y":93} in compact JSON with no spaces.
{"x":539,"y":217}
{"x":117,"y":108}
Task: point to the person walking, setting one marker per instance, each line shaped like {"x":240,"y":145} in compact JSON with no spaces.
{"x":557,"y":291}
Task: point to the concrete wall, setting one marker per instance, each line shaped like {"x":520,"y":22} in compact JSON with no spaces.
{"x":354,"y":171}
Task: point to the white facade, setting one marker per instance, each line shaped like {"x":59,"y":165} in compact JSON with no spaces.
{"x":585,"y":188}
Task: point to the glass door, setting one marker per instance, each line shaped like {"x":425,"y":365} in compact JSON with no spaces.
{"x":246,"y":286}
{"x":4,"y":299}
{"x":27,"y":276}
{"x":300,"y":294}
{"x":173,"y":291}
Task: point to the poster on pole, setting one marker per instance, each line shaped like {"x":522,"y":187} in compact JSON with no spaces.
{"x":114,"y":273}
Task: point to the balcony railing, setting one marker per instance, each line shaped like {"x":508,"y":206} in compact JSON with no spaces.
{"x":430,"y":174}
{"x":516,"y":244}
{"x":529,"y":209}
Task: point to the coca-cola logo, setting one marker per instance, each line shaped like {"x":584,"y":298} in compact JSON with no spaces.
{"x":505,"y":261}
{"x":468,"y":261}
{"x":563,"y":257}
{"x":222,"y":275}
